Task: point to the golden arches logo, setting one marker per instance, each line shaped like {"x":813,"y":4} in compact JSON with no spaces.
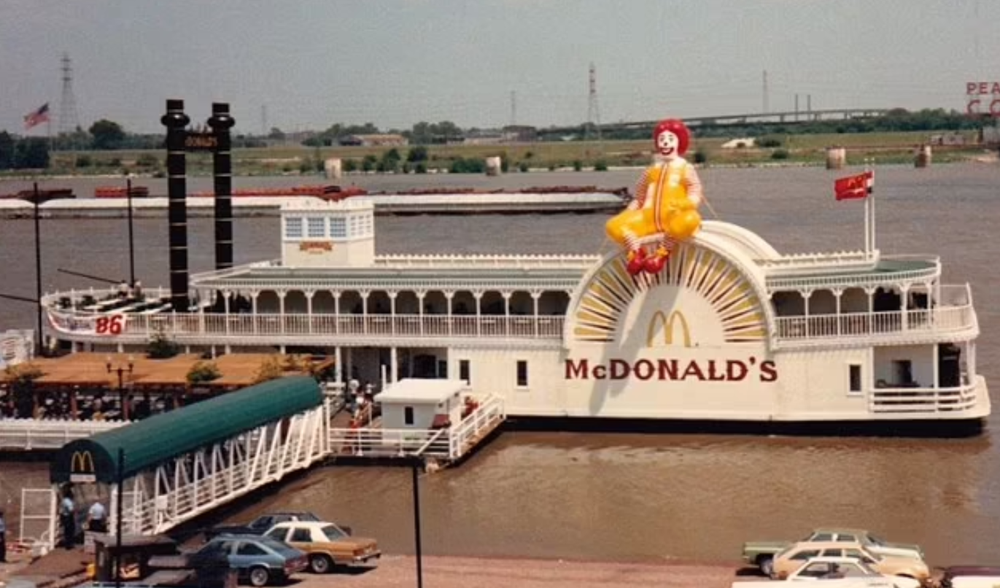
{"x":81,"y":467}
{"x":661,"y":320}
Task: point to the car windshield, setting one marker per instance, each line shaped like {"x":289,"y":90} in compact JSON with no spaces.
{"x":308,"y":516}
{"x":783,"y":552}
{"x":875,"y":540}
{"x":333,"y":533}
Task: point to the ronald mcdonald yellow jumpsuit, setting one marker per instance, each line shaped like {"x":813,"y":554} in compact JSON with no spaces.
{"x":666,"y":202}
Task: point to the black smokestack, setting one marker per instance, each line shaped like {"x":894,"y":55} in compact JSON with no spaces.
{"x":175,"y":120}
{"x":222,"y":169}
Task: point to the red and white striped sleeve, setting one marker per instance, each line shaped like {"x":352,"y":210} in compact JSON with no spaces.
{"x":693,"y":184}
{"x":641,"y":188}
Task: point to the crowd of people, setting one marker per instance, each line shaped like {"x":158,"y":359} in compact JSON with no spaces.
{"x":90,"y":406}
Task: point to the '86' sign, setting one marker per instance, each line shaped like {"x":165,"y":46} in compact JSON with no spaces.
{"x":110,"y":325}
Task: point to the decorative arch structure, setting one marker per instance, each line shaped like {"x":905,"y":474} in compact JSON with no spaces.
{"x":707,"y":277}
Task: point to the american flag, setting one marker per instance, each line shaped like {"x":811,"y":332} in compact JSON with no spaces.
{"x":36,"y":117}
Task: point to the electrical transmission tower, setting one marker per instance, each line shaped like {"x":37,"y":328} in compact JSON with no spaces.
{"x":69,"y":120}
{"x":593,"y":112}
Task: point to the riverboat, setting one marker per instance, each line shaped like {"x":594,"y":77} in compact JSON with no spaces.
{"x":730,"y":330}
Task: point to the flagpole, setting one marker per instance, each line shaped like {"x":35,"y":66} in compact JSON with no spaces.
{"x":871,"y":202}
{"x":868,"y":226}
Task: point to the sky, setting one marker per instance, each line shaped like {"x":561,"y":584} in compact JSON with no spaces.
{"x":306,"y":64}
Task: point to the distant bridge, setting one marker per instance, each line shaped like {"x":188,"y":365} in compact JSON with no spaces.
{"x":768,"y":118}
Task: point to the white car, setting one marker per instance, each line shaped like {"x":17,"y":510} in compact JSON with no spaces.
{"x":839,"y":572}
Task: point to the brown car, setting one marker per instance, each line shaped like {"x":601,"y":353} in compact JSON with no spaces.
{"x":326,"y":544}
{"x":792,"y":557}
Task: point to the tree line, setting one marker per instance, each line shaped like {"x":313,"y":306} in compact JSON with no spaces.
{"x":107,"y":135}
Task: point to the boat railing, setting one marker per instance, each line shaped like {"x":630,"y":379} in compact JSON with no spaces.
{"x":493,"y":261}
{"x":145,"y":326}
{"x":942,"y":319}
{"x":921,"y":400}
{"x":30,"y":434}
{"x":484,"y":419}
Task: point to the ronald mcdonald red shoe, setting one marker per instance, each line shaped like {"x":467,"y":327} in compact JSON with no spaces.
{"x":636,"y":261}
{"x":656,"y":263}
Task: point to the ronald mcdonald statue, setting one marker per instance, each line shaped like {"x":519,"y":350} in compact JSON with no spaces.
{"x":666,"y":202}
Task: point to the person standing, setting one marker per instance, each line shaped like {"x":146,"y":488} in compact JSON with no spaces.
{"x":67,"y":521}
{"x":3,"y":538}
{"x":97,"y":520}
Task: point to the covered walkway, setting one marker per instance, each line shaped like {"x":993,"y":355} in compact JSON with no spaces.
{"x":179,"y":464}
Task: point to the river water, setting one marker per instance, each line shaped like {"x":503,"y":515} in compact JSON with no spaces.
{"x":627,"y":496}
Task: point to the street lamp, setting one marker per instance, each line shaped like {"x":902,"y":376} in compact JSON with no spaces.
{"x":121,"y":371}
{"x":416,"y":464}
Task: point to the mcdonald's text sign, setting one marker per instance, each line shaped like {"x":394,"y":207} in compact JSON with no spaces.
{"x":666,"y":369}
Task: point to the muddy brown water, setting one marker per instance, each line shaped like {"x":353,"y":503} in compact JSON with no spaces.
{"x":630,"y":496}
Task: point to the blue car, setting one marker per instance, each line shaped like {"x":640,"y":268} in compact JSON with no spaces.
{"x":258,"y":560}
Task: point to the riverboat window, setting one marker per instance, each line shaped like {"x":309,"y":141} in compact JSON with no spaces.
{"x":368,"y":225}
{"x":522,"y":374}
{"x":316,"y":226}
{"x":338,"y":227}
{"x":463,"y":371}
{"x":355,"y":226}
{"x":408,"y":415}
{"x":293,"y":227}
{"x":855,"y":378}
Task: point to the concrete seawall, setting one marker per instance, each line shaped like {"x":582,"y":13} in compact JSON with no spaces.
{"x":385,"y":204}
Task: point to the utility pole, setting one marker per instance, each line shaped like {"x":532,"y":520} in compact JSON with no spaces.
{"x":593,"y":111}
{"x":68,"y":116}
{"x":765,"y":93}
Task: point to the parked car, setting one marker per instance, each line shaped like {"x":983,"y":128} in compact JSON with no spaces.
{"x":760,"y":553}
{"x":326,"y":544}
{"x":838,"y":572}
{"x":791,"y":558}
{"x":259,"y":560}
{"x":970,"y":577}
{"x":261,"y":524}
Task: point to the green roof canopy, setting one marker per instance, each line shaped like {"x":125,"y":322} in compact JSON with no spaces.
{"x":160,"y":438}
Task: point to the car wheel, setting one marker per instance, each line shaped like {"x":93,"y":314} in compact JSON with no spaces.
{"x":766,"y":565}
{"x":259,"y":576}
{"x":320,"y":564}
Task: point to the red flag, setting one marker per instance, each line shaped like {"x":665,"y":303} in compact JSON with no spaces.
{"x":36,"y":117}
{"x":854,"y":187}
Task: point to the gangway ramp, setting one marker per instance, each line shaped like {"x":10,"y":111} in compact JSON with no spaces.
{"x":183,"y":463}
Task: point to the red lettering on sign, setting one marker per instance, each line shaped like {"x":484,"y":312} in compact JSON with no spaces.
{"x":712,"y":370}
{"x":970,"y":87}
{"x":768,"y":371}
{"x":109,"y":325}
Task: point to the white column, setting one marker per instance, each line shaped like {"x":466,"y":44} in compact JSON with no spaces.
{"x":349,"y":362}
{"x":225,"y":306}
{"x":392,"y":315}
{"x":394,"y":364}
{"x":338,"y":369}
{"x":449,"y":296}
{"x":904,"y":295}
{"x":806,"y":295}
{"x":309,"y":308}
{"x":253,"y":307}
{"x":281,"y":309}
{"x":534,"y":299}
{"x":871,"y":309}
{"x":934,"y":366}
{"x":336,"y":311}
{"x":364,"y":310}
{"x":420,"y":312}
{"x":837,"y":293}
{"x":506,"y":312}
{"x":479,"y":319}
